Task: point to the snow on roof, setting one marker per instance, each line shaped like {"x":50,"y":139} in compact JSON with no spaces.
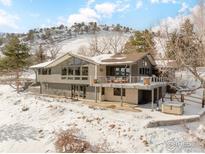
{"x":109,"y":59}
{"x":89,"y":59}
{"x":42,"y":64}
{"x":99,"y":58}
{"x":118,"y":58}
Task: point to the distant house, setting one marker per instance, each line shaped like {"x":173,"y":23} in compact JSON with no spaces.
{"x":111,"y":77}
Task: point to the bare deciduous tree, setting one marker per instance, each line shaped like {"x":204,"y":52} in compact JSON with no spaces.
{"x":54,"y":51}
{"x":188,"y":47}
{"x":98,"y":44}
{"x":117,"y":42}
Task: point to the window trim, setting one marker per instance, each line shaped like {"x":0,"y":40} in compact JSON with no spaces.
{"x":119,"y":92}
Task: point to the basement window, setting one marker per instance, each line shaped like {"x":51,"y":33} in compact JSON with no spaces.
{"x":117,"y":92}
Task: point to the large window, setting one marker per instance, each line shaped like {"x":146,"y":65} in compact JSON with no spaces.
{"x":39,"y":71}
{"x":144,"y":63}
{"x":77,"y":61}
{"x":118,"y":71}
{"x":117,"y":92}
{"x":49,"y":71}
{"x":144,"y":71}
{"x":44,"y":71}
{"x":77,"y":71}
{"x":85,"y":71}
{"x":64,"y":71}
{"x":70,"y":71}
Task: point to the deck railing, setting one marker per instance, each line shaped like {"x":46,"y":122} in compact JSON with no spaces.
{"x":128,"y":79}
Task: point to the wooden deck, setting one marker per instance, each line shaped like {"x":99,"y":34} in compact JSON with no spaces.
{"x":132,"y":85}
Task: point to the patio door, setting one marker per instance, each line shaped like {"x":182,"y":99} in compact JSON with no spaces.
{"x":82,"y":91}
{"x":78,"y":91}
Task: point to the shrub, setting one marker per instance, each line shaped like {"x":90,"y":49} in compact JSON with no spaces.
{"x":69,"y":143}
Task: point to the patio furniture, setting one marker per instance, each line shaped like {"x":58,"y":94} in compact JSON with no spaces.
{"x":146,"y":81}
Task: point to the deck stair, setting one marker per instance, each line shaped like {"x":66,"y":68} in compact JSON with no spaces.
{"x":189,"y":97}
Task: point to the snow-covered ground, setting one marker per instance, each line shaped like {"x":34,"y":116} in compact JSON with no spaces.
{"x":35,"y":130}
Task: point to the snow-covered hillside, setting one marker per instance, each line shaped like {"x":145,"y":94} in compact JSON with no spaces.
{"x":78,"y":35}
{"x":84,"y":41}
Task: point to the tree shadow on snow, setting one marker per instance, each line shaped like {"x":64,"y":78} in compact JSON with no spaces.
{"x":18,"y":132}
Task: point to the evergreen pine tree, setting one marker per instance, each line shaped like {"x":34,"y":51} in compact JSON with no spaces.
{"x":141,"y":41}
{"x":15,"y":59}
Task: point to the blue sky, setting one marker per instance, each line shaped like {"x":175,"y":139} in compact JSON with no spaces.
{"x":22,"y":15}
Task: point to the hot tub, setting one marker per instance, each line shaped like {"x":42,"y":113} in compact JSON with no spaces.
{"x":173,"y":108}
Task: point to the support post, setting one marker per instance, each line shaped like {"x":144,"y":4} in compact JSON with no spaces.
{"x":71,"y":92}
{"x":36,"y":74}
{"x":182,"y":97}
{"x":131,"y":74}
{"x":152,"y":99}
{"x":100,"y":94}
{"x":203,"y":99}
{"x":157,"y":93}
{"x":78,"y":91}
{"x":121,"y":90}
{"x":96,"y":96}
{"x":40,"y":88}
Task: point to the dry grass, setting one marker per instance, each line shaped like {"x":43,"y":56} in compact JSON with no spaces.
{"x":111,"y":106}
{"x":67,"y":142}
{"x":104,"y":105}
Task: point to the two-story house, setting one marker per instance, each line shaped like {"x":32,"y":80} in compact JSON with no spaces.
{"x":111,"y":77}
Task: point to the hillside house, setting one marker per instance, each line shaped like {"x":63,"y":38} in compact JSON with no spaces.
{"x":111,"y":77}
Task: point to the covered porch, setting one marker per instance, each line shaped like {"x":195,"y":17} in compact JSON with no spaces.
{"x":135,"y":94}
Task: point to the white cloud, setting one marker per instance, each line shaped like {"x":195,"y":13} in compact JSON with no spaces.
{"x":6,"y":2}
{"x":89,"y":2}
{"x":139,"y":4}
{"x":97,"y":12}
{"x":8,"y":20}
{"x":184,"y":8}
{"x":84,"y":15}
{"x":107,"y":9}
{"x":163,"y":1}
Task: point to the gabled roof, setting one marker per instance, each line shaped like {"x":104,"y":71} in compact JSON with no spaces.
{"x":88,"y":59}
{"x":41,"y":65}
{"x":104,"y":59}
{"x":61,"y":59}
{"x":114,"y":59}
